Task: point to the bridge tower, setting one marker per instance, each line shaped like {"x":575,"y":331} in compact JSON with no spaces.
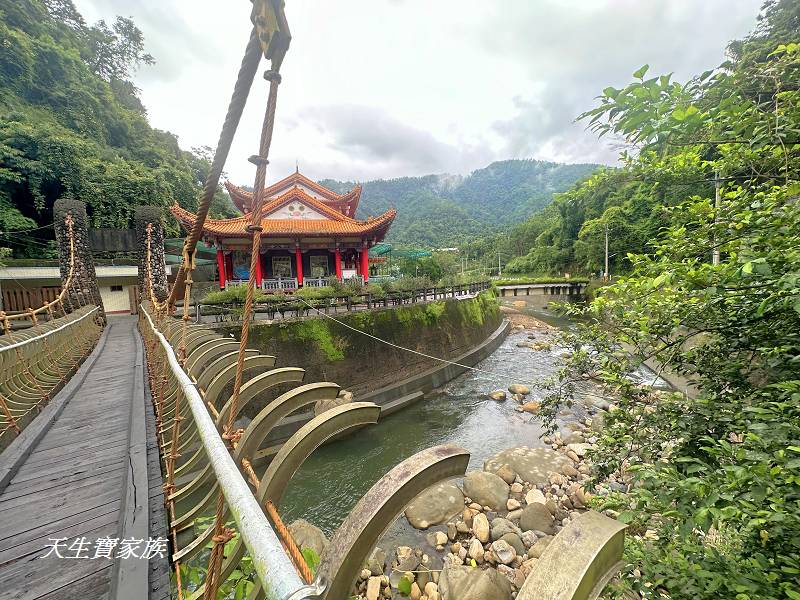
{"x":84,"y":288}
{"x":144,"y":216}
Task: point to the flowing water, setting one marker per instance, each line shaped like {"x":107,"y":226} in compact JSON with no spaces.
{"x":335,"y":477}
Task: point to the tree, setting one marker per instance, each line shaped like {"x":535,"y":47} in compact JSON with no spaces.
{"x":115,"y":52}
{"x":714,"y":477}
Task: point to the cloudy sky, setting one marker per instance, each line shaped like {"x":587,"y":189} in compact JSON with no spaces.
{"x":387,"y":88}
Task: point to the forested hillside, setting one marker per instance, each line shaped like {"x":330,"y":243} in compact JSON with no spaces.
{"x":71,"y":124}
{"x":449,"y":210}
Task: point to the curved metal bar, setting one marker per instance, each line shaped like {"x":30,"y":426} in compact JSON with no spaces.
{"x":257,"y":385}
{"x":579,"y":562}
{"x":348,"y":549}
{"x":274,"y":568}
{"x":208,"y":352}
{"x":228,"y":374}
{"x":297,"y":449}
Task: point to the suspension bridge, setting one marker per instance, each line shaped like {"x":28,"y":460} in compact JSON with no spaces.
{"x":121,"y":455}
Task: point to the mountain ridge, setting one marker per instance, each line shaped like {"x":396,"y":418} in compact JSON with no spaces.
{"x":445,"y":209}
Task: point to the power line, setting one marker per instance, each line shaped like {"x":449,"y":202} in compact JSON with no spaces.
{"x":27,"y":230}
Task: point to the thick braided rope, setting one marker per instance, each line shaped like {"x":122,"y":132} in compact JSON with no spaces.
{"x":261,"y":161}
{"x":247,"y":72}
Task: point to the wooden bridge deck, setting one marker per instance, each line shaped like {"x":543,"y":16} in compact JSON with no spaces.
{"x":79,"y":481}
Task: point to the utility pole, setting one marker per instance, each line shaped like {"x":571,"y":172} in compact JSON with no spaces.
{"x":717,"y":204}
{"x":605,"y":274}
{"x":499,"y":267}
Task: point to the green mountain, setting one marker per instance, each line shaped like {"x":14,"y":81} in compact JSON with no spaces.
{"x":448,"y":210}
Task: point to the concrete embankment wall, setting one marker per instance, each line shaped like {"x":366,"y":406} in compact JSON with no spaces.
{"x":331,"y":351}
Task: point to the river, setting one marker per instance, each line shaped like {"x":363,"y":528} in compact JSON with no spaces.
{"x":333,"y":479}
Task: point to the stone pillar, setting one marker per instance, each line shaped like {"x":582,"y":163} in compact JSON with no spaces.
{"x":144,"y":215}
{"x":221,"y":268}
{"x":83,"y":289}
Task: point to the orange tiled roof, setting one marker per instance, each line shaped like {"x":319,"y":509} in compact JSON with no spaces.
{"x":335,"y":224}
{"x":345,"y":203}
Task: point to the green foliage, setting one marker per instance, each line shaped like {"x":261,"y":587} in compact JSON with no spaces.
{"x":236,"y":295}
{"x":716,"y":475}
{"x":318,"y":331}
{"x":404,"y":586}
{"x":71,"y":124}
{"x":312,"y":559}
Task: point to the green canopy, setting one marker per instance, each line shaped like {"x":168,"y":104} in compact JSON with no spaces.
{"x":385,"y":249}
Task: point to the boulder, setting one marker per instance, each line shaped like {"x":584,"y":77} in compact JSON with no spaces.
{"x":531,"y":407}
{"x":507,"y":474}
{"x":435,"y":505}
{"x":518,"y":388}
{"x":536,"y":517}
{"x":307,"y":535}
{"x":480,"y":527}
{"x":539,"y":547}
{"x":437,"y":538}
{"x":466,"y":583}
{"x":531,"y":464}
{"x":486,"y":488}
{"x":498,"y":395}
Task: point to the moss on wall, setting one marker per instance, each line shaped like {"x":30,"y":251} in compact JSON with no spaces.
{"x":338,"y":351}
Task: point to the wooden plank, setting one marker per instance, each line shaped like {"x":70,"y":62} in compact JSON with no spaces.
{"x":32,"y":486}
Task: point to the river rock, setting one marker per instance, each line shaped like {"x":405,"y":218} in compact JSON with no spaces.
{"x":416,"y":593}
{"x":486,"y":488}
{"x":535,"y":496}
{"x":569,"y":471}
{"x":498,"y":395}
{"x":475,"y":550}
{"x":437,"y":538}
{"x":512,"y":504}
{"x":480,"y":527}
{"x":376,"y":563}
{"x":435,"y":505}
{"x":406,"y":559}
{"x":507,"y":474}
{"x":579,"y":449}
{"x":373,"y":588}
{"x":504,"y":552}
{"x":466,"y":583}
{"x":573,"y":437}
{"x":321,"y":406}
{"x":536,"y":517}
{"x":307,"y":535}
{"x":531,"y":464}
{"x":531,"y":407}
{"x":528,"y":538}
{"x":598,"y":422}
{"x":539,"y":547}
{"x":518,"y":388}
{"x":513,"y":540}
{"x":501,"y":526}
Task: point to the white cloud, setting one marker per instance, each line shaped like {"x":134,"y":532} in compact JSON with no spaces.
{"x":386,"y":88}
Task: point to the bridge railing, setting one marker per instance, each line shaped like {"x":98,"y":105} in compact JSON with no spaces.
{"x":190,"y":388}
{"x":36,"y":362}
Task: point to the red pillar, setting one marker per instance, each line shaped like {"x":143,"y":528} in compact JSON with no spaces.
{"x":299,"y":263}
{"x":338,"y":261}
{"x":365,"y":263}
{"x":228,"y":267}
{"x":221,"y":267}
{"x":258,"y":272}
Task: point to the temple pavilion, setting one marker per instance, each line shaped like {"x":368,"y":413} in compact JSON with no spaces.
{"x":309,"y":233}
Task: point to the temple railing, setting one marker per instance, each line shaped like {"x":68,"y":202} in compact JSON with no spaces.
{"x":284,"y":284}
{"x":289,"y":307}
{"x":37,"y":362}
